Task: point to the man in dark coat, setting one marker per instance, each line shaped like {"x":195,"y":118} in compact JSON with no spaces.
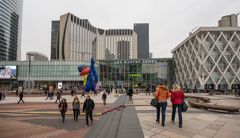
{"x":104,"y":97}
{"x":88,"y":108}
{"x":20,"y":97}
{"x":58,"y":96}
{"x":130,"y":93}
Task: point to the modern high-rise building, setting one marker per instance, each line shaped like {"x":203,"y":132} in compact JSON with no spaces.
{"x":142,"y":30}
{"x":210,"y":57}
{"x":78,"y":40}
{"x":54,"y":40}
{"x":10,"y":29}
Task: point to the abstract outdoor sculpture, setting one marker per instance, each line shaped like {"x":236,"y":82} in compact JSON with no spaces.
{"x":90,"y":76}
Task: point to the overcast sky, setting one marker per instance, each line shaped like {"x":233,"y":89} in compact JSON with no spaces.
{"x":170,"y":20}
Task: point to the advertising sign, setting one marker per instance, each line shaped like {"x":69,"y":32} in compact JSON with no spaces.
{"x":8,"y":72}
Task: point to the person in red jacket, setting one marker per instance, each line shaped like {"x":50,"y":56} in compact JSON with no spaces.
{"x":177,"y":97}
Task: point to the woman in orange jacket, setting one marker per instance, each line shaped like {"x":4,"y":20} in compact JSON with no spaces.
{"x":161,"y":94}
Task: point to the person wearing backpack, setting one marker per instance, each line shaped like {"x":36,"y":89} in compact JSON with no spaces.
{"x":177,"y":98}
{"x":161,"y":94}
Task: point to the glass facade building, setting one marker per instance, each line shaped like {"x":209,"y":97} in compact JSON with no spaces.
{"x":136,"y":72}
{"x":47,"y":70}
{"x":10,"y":29}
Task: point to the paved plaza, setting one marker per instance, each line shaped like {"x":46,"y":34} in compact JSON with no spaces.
{"x":39,"y":118}
{"x":197,"y":123}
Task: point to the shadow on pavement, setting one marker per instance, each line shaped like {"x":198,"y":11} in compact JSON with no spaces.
{"x":69,"y":125}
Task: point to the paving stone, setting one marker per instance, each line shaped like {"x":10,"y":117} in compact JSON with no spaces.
{"x":199,"y":136}
{"x":230,"y":130}
{"x":159,"y":136}
{"x":148,"y":133}
{"x":208,"y":132}
{"x":214,"y":126}
{"x":208,"y":117}
{"x":157,"y":130}
{"x":173,"y":135}
{"x":49,"y":134}
{"x":195,"y":124}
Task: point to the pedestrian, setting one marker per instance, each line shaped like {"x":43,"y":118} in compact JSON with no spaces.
{"x":3,"y":95}
{"x":130,"y":93}
{"x":177,"y":98}
{"x":76,"y":108}
{"x":62,"y":107}
{"x":72,"y":92}
{"x":51,"y":95}
{"x":95,"y":93}
{"x":20,"y":97}
{"x":88,"y":108}
{"x":104,"y":97}
{"x":17,"y":92}
{"x":148,"y":91}
{"x":83,"y":94}
{"x":108,"y":90}
{"x":58,"y":95}
{"x":61,"y":91}
{"x":48,"y":94}
{"x":0,"y":95}
{"x":161,"y":94}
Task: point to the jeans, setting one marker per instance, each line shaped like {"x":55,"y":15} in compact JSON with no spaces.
{"x":89,"y":115}
{"x":76,"y":113}
{"x":162,"y":105}
{"x":179,"y":106}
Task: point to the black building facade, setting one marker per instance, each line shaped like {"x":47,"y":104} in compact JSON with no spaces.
{"x":142,"y":30}
{"x":54,"y":39}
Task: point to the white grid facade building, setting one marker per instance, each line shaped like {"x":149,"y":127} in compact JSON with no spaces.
{"x":209,"y":56}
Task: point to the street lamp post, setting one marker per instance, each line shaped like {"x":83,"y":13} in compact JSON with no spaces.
{"x":29,"y":71}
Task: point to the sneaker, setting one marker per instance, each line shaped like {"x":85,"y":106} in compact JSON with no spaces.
{"x":157,"y":121}
{"x":180,"y":126}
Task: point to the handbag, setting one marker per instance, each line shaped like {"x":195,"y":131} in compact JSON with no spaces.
{"x":154,"y":102}
{"x":184,"y":106}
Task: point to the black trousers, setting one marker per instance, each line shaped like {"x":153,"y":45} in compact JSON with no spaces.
{"x":89,"y":115}
{"x":174,"y":107}
{"x":58,"y":99}
{"x":104,"y":101}
{"x":130,"y":98}
{"x":75,"y":114}
{"x":162,"y":105}
{"x":63,"y":115}
{"x":20,"y":100}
